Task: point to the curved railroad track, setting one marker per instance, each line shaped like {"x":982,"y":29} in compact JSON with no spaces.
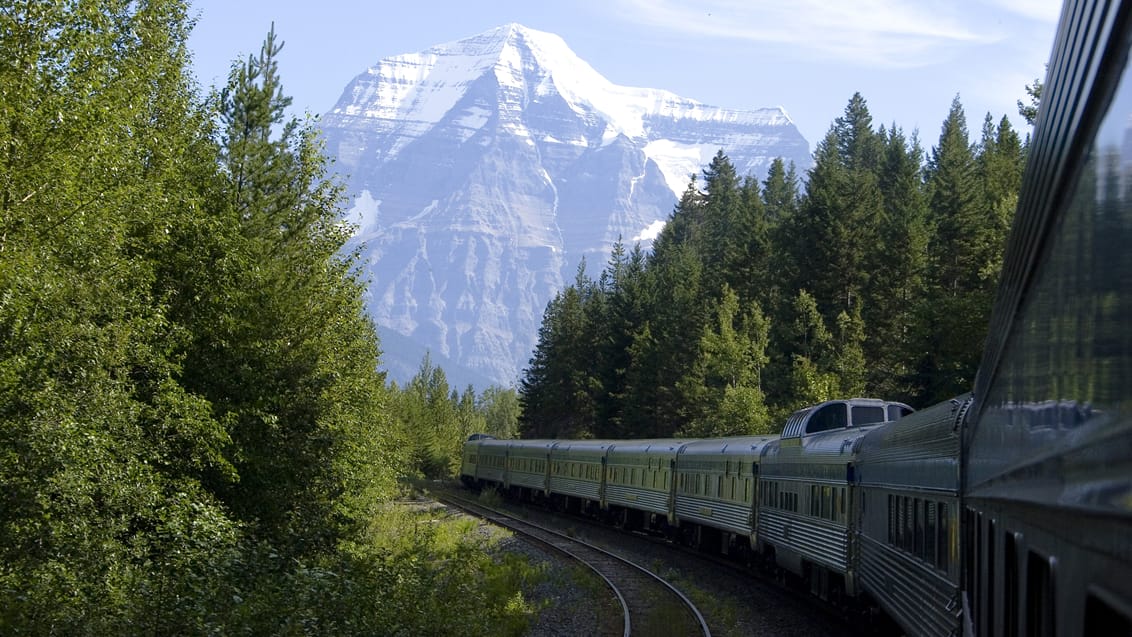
{"x":651,"y":606}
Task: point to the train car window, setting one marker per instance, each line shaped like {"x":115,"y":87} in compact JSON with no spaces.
{"x":945,"y":542}
{"x":1039,"y":598}
{"x":987,"y":605}
{"x":892,"y":521}
{"x":1103,"y":619}
{"x":832,"y":416}
{"x":918,"y":519}
{"x":867,"y":415}
{"x":896,"y":412}
{"x":930,"y":522}
{"x":1010,"y":582}
{"x":906,"y":535}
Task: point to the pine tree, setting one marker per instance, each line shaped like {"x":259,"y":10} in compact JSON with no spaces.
{"x":557,"y":389}
{"x":957,"y":308}
{"x":897,"y":269}
{"x":283,"y":349}
{"x":837,"y":224}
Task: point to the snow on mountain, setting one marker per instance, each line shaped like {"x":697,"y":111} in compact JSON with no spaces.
{"x":484,"y":170}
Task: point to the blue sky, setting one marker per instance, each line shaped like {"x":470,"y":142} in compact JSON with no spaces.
{"x":908,"y":58}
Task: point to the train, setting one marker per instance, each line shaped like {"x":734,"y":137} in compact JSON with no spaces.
{"x":1003,"y":511}
{"x":812,"y":502}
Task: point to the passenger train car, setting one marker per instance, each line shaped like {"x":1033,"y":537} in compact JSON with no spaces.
{"x":1007,"y":511}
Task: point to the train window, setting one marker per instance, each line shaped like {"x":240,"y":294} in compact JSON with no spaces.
{"x":930,"y":514}
{"x":1039,"y":597}
{"x":831,"y":416}
{"x":895,"y":412}
{"x":1010,"y":610}
{"x":1103,"y":619}
{"x":892,"y":522}
{"x":747,"y":490}
{"x":827,"y":503}
{"x":719,"y":486}
{"x":906,"y":524}
{"x":1039,"y":611}
{"x":918,"y":522}
{"x":944,"y":538}
{"x":867,"y":415}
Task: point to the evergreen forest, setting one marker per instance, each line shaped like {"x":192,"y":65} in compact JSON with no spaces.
{"x":871,"y":275}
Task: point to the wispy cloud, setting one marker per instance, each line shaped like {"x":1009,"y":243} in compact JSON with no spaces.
{"x":879,"y":33}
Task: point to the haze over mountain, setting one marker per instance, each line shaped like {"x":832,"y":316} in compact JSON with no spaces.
{"x":483,"y":171}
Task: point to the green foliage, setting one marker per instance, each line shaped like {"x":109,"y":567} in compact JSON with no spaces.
{"x":194,"y":434}
{"x":721,"y":390}
{"x":1030,"y":111}
{"x":433,"y":422}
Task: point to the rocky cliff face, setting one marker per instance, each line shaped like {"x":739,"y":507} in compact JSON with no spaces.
{"x":482,"y":171}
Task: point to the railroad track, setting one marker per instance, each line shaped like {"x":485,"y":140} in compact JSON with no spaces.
{"x":651,"y":605}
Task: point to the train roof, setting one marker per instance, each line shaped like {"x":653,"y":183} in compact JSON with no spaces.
{"x":738,"y":445}
{"x":534,"y":443}
{"x":842,"y":414}
{"x":670,"y":446}
{"x":582,"y":445}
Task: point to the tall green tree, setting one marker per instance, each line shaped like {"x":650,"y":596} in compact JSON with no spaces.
{"x":283,"y":349}
{"x":957,"y":303}
{"x":836,"y":227}
{"x":557,"y":389}
{"x":897,"y":267}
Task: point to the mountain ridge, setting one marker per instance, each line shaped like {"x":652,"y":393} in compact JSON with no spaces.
{"x":483,"y":170}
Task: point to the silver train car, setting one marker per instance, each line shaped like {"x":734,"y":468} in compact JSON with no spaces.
{"x":906,"y":478}
{"x":528,"y":468}
{"x":807,"y":492}
{"x":639,"y":478}
{"x":577,"y":474}
{"x":716,"y":493}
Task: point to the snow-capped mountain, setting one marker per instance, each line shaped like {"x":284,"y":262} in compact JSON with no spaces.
{"x":482,"y":171}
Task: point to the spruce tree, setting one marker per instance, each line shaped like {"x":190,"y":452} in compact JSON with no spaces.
{"x":957,"y":305}
{"x":897,"y":269}
{"x":283,"y":349}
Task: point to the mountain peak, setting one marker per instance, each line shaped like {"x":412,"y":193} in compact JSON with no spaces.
{"x":486,"y":169}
